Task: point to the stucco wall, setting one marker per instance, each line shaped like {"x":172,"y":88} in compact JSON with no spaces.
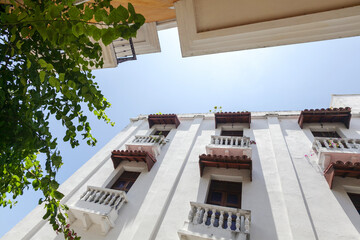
{"x":288,"y":196}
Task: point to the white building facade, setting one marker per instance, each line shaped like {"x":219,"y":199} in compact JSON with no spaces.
{"x":259,"y":175}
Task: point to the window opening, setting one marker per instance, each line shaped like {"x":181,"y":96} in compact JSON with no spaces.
{"x":232,"y":133}
{"x":329,"y":134}
{"x":163,"y":133}
{"x":125,"y":181}
{"x":355,"y":199}
{"x":227,"y":194}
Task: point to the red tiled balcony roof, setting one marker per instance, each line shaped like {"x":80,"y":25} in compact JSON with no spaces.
{"x":341,"y":169}
{"x":232,"y":117}
{"x":329,"y":115}
{"x":163,"y":119}
{"x":237,"y":162}
{"x":118,"y":156}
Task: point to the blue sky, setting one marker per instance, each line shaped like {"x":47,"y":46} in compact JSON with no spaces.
{"x":292,"y":77}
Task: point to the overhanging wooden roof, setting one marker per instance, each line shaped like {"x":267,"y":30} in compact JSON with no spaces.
{"x":341,"y":169}
{"x":329,"y":115}
{"x":232,"y":117}
{"x":237,"y":162}
{"x":163,"y":119}
{"x":118,"y":156}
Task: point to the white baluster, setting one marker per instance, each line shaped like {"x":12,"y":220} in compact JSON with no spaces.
{"x":326,"y":143}
{"x":191,"y":214}
{"x":98,"y":195}
{"x":237,"y":141}
{"x":247,"y":224}
{"x":221,"y":219}
{"x":117,"y":202}
{"x":103,"y":197}
{"x":112,"y":199}
{"x":229,"y":220}
{"x":238,"y":222}
{"x":197,"y":215}
{"x":205,"y":216}
{"x":242,"y":143}
{"x":212,"y":221}
{"x":86,"y":195}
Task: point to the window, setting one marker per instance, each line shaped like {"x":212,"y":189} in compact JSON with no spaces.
{"x":232,"y":133}
{"x":125,"y":181}
{"x":329,"y":134}
{"x":163,"y":133}
{"x":355,"y":199}
{"x":227,"y":194}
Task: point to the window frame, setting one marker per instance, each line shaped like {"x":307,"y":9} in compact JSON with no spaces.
{"x":225,"y":188}
{"x":129,"y":180}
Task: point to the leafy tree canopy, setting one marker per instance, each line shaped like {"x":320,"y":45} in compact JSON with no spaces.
{"x":47,"y":50}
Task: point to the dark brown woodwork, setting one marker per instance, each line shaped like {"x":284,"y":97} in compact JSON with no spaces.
{"x":237,"y":162}
{"x":227,"y":194}
{"x":163,"y":119}
{"x":329,"y":115}
{"x":232,"y":133}
{"x":329,"y":134}
{"x":118,"y":156}
{"x":341,"y":169}
{"x":232,"y":117}
{"x":125,"y":181}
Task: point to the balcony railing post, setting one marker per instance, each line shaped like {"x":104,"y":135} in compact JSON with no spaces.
{"x":247,"y":223}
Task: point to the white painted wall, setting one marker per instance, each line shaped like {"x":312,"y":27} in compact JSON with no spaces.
{"x":288,"y":196}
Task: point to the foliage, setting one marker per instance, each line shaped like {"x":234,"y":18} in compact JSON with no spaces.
{"x":46,"y":51}
{"x":216,"y":109}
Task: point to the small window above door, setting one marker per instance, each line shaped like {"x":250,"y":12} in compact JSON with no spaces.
{"x":125,"y":181}
{"x":161,"y":132}
{"x":232,"y":133}
{"x":328,"y":134}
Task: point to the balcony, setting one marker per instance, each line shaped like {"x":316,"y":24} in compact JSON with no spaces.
{"x":207,"y":221}
{"x":229,"y":146}
{"x":98,"y":206}
{"x":151,"y":144}
{"x":330,"y":150}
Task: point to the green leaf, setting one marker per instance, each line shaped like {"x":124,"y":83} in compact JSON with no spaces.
{"x":42,"y":63}
{"x":28,"y":63}
{"x":131,"y":9}
{"x":52,"y":81}
{"x":54,"y":11}
{"x":74,"y":13}
{"x":78,"y":29}
{"x":122,"y":12}
{"x":97,"y":34}
{"x":61,"y":77}
{"x":12,"y":38}
{"x":58,"y":195}
{"x":89,"y":13}
{"x":42,"y":76}
{"x":108,"y":36}
{"x":19,"y":44}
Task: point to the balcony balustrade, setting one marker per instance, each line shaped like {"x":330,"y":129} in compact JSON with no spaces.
{"x":206,"y":221}
{"x":331,"y":150}
{"x":229,"y":146}
{"x":151,"y":144}
{"x":98,"y":206}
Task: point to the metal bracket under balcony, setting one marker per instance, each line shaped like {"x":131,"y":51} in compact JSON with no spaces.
{"x":98,"y":206}
{"x":229,"y":146}
{"x":151,"y":144}
{"x":206,"y":221}
{"x":330,"y":150}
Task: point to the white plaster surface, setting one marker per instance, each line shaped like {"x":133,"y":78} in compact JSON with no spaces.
{"x":288,"y":196}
